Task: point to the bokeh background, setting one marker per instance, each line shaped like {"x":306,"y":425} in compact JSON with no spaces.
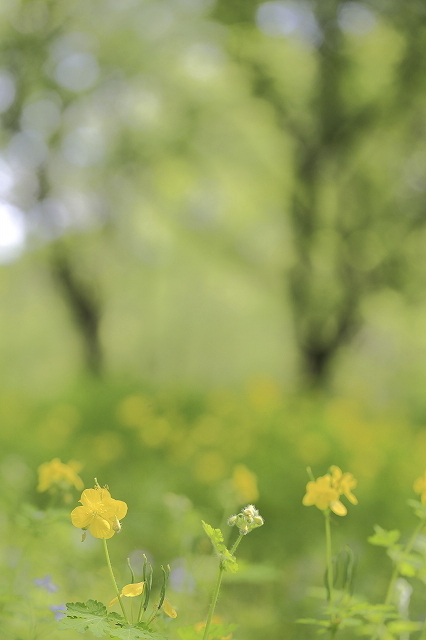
{"x":212,"y":254}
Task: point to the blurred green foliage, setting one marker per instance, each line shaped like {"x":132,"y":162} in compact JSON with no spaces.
{"x":171,"y":457}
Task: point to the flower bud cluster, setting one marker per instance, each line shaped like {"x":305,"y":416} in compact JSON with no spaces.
{"x":247,"y":520}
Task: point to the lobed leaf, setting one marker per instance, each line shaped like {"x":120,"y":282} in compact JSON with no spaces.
{"x":229,"y":562}
{"x":89,"y":616}
{"x":383,"y":538}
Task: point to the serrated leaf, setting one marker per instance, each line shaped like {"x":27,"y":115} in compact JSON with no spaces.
{"x":229,"y":562}
{"x":98,"y":626}
{"x":91,"y":606}
{"x":86,"y":616}
{"x":383,"y":538}
{"x":115,"y":617}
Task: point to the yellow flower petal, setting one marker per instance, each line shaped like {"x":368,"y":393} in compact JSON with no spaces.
{"x":120,"y":509}
{"x":338,"y":508}
{"x":81,"y":517}
{"x":101,"y":528}
{"x":91,"y":498}
{"x":132,"y":590}
{"x":325,"y":499}
{"x":113,"y":601}
{"x":420,"y":487}
{"x":168,"y":609}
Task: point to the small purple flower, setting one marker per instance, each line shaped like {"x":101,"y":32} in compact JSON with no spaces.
{"x":57,"y":609}
{"x":181,"y":580}
{"x":46,"y":583}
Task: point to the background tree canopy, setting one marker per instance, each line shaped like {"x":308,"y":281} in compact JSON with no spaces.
{"x":209,"y":191}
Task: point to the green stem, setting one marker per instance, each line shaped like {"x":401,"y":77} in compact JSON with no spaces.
{"x":395,"y":574}
{"x":217,"y":589}
{"x":329,"y":560}
{"x":111,"y":573}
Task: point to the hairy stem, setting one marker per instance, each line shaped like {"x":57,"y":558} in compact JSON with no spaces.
{"x":217,"y":589}
{"x":111,"y":573}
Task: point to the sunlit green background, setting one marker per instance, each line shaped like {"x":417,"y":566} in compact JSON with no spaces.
{"x":212,"y":252}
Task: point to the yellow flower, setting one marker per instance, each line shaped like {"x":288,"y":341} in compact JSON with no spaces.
{"x":130,"y":591}
{"x":168,"y":609}
{"x":56,"y":473}
{"x":100,"y":513}
{"x":325,"y":491}
{"x":244,"y":482}
{"x":321,"y":494}
{"x":420,"y":487}
{"x":343,"y":483}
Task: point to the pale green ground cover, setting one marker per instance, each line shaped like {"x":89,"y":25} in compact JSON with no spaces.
{"x":172,"y":459}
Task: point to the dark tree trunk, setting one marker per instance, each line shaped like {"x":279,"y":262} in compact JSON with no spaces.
{"x":84,"y":307}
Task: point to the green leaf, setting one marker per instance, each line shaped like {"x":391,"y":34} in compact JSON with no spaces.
{"x":229,"y":562}
{"x":419,"y":508}
{"x":82,"y":608}
{"x":350,"y":622}
{"x":188,"y":633}
{"x":364,"y":609}
{"x":86,"y":616}
{"x":407,"y":569}
{"x":404,"y":626}
{"x":383,"y":538}
{"x":135,"y":633}
{"x":320,"y":623}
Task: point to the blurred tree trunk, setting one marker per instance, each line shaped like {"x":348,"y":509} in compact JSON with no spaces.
{"x":327,"y":303}
{"x":83,"y":305}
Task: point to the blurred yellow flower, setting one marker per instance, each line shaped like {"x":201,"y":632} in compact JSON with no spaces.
{"x":100,"y":513}
{"x":343,"y":483}
{"x":130,"y":591}
{"x":56,"y":474}
{"x":168,"y":609}
{"x":420,"y":487}
{"x":215,"y":620}
{"x":244,"y":483}
{"x":325,"y":491}
{"x":321,"y":494}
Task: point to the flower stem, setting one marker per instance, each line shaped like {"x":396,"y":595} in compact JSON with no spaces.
{"x":329,"y":571}
{"x":328,"y":558}
{"x":111,"y":573}
{"x":217,"y":589}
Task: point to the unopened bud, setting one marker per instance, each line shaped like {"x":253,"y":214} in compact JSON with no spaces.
{"x":116,"y":525}
{"x":250,"y":511}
